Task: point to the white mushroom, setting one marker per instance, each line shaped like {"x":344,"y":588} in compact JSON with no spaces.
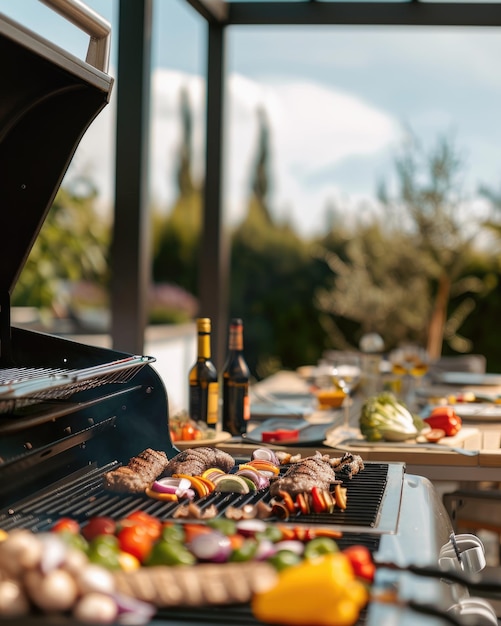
{"x":95,"y":578}
{"x":54,"y":591}
{"x":21,"y":550}
{"x":13,"y":600}
{"x":75,"y":561}
{"x":96,"y":608}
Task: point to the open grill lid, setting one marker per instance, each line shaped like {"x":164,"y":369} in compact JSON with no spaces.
{"x":49,"y":99}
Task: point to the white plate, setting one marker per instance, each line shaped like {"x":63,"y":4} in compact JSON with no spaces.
{"x":478,"y":411}
{"x":468,"y":378}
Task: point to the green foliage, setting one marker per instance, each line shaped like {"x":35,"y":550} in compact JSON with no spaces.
{"x":376,"y":282}
{"x":178,"y":241}
{"x":72,"y":246}
{"x":177,"y":236}
{"x":273,"y":279}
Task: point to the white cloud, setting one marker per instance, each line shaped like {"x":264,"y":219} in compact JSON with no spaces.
{"x":313,"y":128}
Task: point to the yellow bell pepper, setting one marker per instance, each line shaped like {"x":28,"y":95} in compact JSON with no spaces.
{"x":317,"y":592}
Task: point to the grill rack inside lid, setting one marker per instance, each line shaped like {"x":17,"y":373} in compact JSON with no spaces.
{"x":22,"y":386}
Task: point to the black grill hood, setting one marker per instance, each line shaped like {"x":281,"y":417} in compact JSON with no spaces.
{"x":49,"y":99}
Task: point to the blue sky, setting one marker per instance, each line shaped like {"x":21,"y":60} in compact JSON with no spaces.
{"x":337,"y":99}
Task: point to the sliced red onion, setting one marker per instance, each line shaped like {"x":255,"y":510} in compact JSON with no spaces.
{"x":250,"y":527}
{"x":291,"y":545}
{"x":267,"y":474}
{"x":213,"y":546}
{"x":265,"y":549}
{"x":176,"y":486}
{"x":131,"y":611}
{"x":266,"y":454}
{"x":189,"y":493}
{"x":54,"y":551}
{"x":256,"y":476}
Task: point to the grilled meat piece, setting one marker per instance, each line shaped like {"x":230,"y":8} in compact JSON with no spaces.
{"x":303,"y":476}
{"x":138,"y":474}
{"x":348,"y":465}
{"x":194,"y":461}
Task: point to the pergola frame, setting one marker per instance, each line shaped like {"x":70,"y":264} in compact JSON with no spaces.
{"x":130,"y":251}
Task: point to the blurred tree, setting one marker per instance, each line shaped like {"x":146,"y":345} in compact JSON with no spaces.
{"x":72,"y":246}
{"x":377,"y":284}
{"x":406,"y":269}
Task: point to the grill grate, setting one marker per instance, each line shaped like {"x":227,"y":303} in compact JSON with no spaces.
{"x":82,"y":497}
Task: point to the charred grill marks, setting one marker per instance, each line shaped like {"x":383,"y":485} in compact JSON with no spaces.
{"x":141,"y":470}
{"x":318,"y":470}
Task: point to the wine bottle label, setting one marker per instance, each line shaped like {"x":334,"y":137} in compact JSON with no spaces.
{"x":213,"y":403}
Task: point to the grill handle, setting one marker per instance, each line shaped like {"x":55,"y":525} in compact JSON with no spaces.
{"x":99,"y":30}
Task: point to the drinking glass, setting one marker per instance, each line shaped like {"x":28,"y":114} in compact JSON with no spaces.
{"x":346,"y":375}
{"x":410,"y":363}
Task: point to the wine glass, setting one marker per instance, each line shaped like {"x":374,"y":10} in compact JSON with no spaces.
{"x":346,"y":375}
{"x":410,"y":363}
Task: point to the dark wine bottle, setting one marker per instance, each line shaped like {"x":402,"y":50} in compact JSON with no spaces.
{"x":203,"y":382}
{"x":236,"y":401}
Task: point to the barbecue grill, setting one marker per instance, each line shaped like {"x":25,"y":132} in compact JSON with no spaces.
{"x":70,"y":412}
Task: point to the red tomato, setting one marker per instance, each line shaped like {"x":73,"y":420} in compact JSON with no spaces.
{"x":136,"y":540}
{"x":66,"y":524}
{"x":152,"y":525}
{"x":435,"y":434}
{"x":188,"y":432}
{"x":100,"y":525}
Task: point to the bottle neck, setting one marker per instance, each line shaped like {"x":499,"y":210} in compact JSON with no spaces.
{"x":236,"y":339}
{"x":203,"y":345}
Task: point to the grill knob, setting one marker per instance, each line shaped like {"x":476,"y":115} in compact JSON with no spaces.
{"x":463,"y":553}
{"x":475,"y":611}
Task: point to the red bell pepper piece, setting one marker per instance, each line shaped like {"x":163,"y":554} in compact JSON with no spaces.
{"x":446,"y":419}
{"x":281,"y":434}
{"x":361,"y":562}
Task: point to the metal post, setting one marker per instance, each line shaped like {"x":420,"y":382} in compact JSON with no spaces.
{"x":130,"y":248}
{"x":214,"y":259}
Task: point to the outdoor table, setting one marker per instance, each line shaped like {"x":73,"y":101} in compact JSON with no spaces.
{"x":437,"y":464}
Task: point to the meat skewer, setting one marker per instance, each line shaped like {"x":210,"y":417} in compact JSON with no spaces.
{"x":348,"y":465}
{"x":138,"y":474}
{"x":303,"y":476}
{"x":194,"y":461}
